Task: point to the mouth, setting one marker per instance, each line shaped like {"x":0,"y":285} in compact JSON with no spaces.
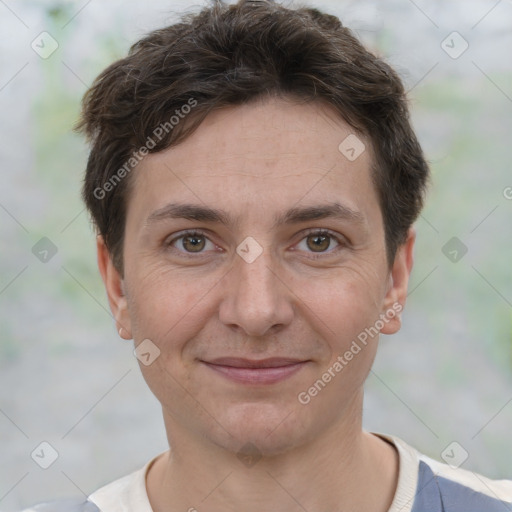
{"x":248,"y":371}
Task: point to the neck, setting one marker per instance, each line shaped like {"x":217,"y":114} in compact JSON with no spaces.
{"x":345,"y":468}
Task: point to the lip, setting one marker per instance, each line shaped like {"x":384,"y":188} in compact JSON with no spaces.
{"x":249,"y":371}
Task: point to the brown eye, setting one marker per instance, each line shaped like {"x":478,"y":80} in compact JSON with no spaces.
{"x":190,"y":242}
{"x":319,"y":243}
{"x":193,"y":243}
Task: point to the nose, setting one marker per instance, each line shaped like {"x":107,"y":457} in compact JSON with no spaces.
{"x":256,"y":299}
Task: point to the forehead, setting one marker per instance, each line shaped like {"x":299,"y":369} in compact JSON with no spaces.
{"x":263,"y":153}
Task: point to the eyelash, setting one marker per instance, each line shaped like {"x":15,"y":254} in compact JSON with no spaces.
{"x":313,"y":231}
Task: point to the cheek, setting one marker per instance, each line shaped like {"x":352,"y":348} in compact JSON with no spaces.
{"x":345,"y":311}
{"x":345,"y":304}
{"x":168,"y":309}
{"x":345,"y":314}
{"x":169,"y":306}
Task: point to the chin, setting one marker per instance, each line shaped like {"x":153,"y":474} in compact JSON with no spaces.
{"x":267,"y":429}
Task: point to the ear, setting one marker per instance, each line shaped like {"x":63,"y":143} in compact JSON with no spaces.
{"x":114,"y":286}
{"x":396,"y":294}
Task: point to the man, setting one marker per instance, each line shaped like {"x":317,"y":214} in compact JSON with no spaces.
{"x":254,"y":180}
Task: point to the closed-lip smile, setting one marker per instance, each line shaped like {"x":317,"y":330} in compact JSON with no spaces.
{"x":252,"y":371}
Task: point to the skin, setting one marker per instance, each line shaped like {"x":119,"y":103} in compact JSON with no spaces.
{"x":256,"y":161}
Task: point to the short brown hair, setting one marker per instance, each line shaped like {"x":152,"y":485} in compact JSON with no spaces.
{"x":229,"y":55}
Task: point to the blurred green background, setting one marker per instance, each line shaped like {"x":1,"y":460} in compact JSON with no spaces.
{"x":66,"y":376}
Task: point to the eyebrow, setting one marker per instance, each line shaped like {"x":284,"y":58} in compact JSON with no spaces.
{"x":292,"y":216}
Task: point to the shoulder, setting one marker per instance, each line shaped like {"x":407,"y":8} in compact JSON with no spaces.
{"x":64,"y":505}
{"x":126,"y":494}
{"x":427,"y":485}
{"x":460,"y":490}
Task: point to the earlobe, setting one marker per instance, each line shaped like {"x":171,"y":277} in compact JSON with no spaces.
{"x":395,"y":298}
{"x":114,"y":286}
{"x":123,"y":334}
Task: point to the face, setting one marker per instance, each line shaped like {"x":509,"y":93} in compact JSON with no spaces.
{"x":264,"y":283}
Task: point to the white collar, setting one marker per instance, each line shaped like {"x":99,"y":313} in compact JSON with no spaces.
{"x":129,"y":493}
